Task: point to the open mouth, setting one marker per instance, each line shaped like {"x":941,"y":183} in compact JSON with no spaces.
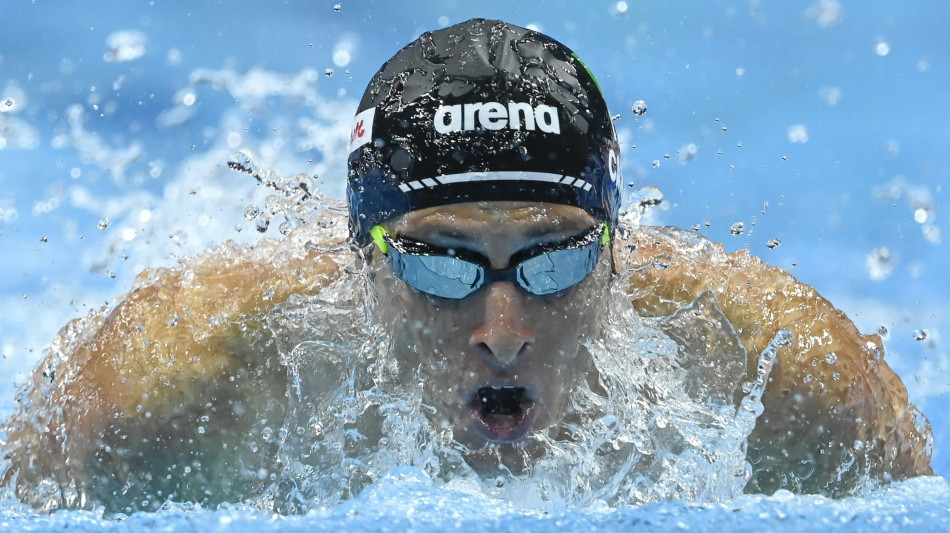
{"x":502,"y":413}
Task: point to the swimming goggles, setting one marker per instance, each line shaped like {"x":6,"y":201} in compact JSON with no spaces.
{"x":456,"y":272}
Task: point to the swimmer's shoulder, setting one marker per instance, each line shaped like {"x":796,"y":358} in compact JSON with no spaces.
{"x":185,"y":344}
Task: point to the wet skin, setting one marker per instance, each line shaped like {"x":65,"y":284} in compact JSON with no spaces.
{"x":500,"y":363}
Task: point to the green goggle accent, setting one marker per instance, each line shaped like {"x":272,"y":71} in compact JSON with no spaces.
{"x":455,"y":273}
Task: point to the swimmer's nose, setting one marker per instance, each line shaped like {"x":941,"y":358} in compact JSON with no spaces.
{"x":503,"y":335}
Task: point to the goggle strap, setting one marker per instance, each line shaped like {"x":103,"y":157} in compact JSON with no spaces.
{"x":378,"y":233}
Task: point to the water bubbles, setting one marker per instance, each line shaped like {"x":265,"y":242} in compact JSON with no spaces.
{"x":337,"y":7}
{"x":126,"y":45}
{"x":201,"y":430}
{"x":882,"y":331}
{"x":7,"y":105}
{"x":737,"y":229}
{"x":920,"y":334}
{"x":831,"y":358}
{"x":639,"y":108}
{"x":772,"y":244}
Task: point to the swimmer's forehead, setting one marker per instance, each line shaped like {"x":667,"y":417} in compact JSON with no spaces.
{"x":475,"y":220}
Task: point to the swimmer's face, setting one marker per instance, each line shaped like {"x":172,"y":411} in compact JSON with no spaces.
{"x":501,"y":362}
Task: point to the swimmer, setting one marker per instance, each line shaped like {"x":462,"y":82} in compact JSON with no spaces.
{"x":484,"y":202}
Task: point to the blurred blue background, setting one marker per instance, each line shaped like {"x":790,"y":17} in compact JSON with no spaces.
{"x":820,"y":125}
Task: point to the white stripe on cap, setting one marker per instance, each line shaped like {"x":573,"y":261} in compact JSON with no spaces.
{"x":507,"y":175}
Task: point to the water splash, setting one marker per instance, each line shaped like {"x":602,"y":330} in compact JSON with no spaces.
{"x":652,"y":423}
{"x":293,"y":199}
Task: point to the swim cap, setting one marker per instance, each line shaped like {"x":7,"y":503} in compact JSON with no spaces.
{"x":481,"y":111}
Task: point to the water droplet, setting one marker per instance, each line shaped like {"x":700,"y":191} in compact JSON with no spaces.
{"x":808,"y":378}
{"x":201,"y":430}
{"x":831,"y":358}
{"x":831,"y":95}
{"x":882,"y":331}
{"x":267,"y":433}
{"x":337,"y":8}
{"x":836,"y":376}
{"x":252,"y":212}
{"x":771,"y":244}
{"x":688,"y":152}
{"x":639,"y":108}
{"x":825,"y":13}
{"x":125,"y":46}
{"x":44,"y":240}
{"x":284,"y":228}
{"x":920,"y":334}
{"x":7,"y":105}
{"x":882,"y":48}
{"x":656,"y":163}
{"x":738,"y":228}
{"x":104,"y":223}
{"x":880,"y":263}
{"x":241,"y":162}
{"x":328,"y":72}
{"x":649,"y":197}
{"x":798,"y":133}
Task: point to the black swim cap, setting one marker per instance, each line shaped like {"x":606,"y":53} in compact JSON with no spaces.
{"x":481,"y":111}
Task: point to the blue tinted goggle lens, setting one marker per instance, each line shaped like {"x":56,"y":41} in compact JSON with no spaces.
{"x":545,"y":269}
